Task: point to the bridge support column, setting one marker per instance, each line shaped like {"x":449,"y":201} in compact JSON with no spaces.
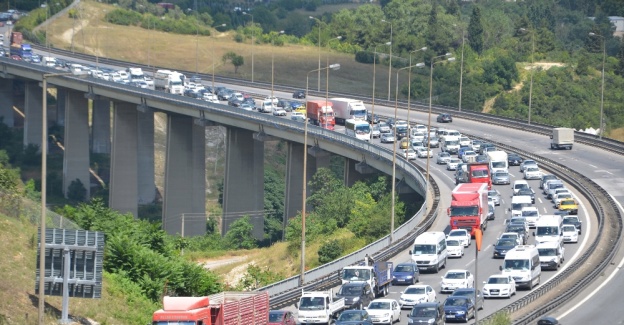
{"x":243,"y":188}
{"x":184,"y":207}
{"x":356,"y":171}
{"x":147,"y":183}
{"x":76,"y":138}
{"x":6,"y":102}
{"x":294,"y":181}
{"x":100,"y":126}
{"x":123,"y":162}
{"x":33,"y":111}
{"x":317,"y":159}
{"x":61,"y":94}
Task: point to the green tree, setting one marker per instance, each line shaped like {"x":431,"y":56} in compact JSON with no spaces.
{"x":475,"y":30}
{"x":240,"y":235}
{"x":235,"y":59}
{"x":329,"y":251}
{"x":620,"y":56}
{"x":77,"y":191}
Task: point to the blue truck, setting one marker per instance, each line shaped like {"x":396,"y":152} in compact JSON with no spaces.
{"x":24,"y":51}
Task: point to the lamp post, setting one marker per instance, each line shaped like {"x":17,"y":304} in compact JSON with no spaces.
{"x":44,"y":173}
{"x":461,"y":69}
{"x":252,"y":43}
{"x":334,"y":66}
{"x":374,"y":77}
{"x":447,"y":57}
{"x":273,"y":63}
{"x":532,"y":68}
{"x":394,"y":145}
{"x":213,"y":60}
{"x":409,"y":84}
{"x":338,"y":38}
{"x":604,"y":56}
{"x":319,"y":53}
{"x":390,"y":65}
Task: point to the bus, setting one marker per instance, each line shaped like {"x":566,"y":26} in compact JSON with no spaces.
{"x":358,"y":129}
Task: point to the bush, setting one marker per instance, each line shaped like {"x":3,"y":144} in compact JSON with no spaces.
{"x":365,"y":57}
{"x":329,"y":251}
{"x":76,"y":191}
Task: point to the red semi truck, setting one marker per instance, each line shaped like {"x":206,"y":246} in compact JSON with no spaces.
{"x":321,"y":112}
{"x":225,"y":308}
{"x":469,"y":207}
{"x":479,"y":173}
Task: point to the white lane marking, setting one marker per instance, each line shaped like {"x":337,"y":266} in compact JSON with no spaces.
{"x":540,"y":200}
{"x":471,"y":261}
{"x":488,"y":247}
{"x":592,"y":166}
{"x":545,"y":211}
{"x":605,"y":282}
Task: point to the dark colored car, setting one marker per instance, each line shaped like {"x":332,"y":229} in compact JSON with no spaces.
{"x":281,"y":317}
{"x":234,"y":102}
{"x":483,"y":146}
{"x":405,"y":273}
{"x":299,"y":94}
{"x":354,"y":317}
{"x":187,"y":93}
{"x":424,"y":312}
{"x":527,"y":192}
{"x":546,"y":178}
{"x":401,"y":132}
{"x":294,"y":104}
{"x":458,"y":308}
{"x":503,"y":246}
{"x":249,"y":101}
{"x":481,"y":158}
{"x":575,"y":221}
{"x":548,"y":320}
{"x":283,"y":103}
{"x":374,"y":119}
{"x":224,"y":94}
{"x":357,"y":295}
{"x":514,"y":159}
{"x":390,"y":121}
{"x":518,"y":228}
{"x":444,"y":118}
{"x":470,"y":293}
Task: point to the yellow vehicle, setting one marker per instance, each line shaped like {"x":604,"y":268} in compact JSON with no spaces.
{"x":405,"y":143}
{"x":301,"y":109}
{"x":568,"y":205}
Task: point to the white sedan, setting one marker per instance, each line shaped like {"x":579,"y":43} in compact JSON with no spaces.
{"x":452,"y":164}
{"x":416,"y":294}
{"x":460,"y":234}
{"x":422,"y":152}
{"x":454,"y":248}
{"x":384,"y":311}
{"x":499,"y":286}
{"x":410,"y":154}
{"x":454,"y":279}
{"x":532,"y":173}
{"x":570,"y":234}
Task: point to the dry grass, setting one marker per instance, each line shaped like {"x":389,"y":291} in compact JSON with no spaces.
{"x":292,"y":62}
{"x":617,"y":134}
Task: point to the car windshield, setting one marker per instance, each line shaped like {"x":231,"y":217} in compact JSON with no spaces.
{"x":547,"y":231}
{"x":506,"y":242}
{"x":356,"y":275}
{"x":464,"y":211}
{"x":570,"y":220}
{"x":532,"y":169}
{"x":455,"y":275}
{"x":457,"y":234}
{"x":547,"y":251}
{"x":515,"y":228}
{"x":347,"y":316}
{"x":362,"y":129}
{"x":498,"y":280}
{"x":379,"y":305}
{"x":312,"y":303}
{"x":404,"y":268}
{"x":529,"y":213}
{"x":499,"y":164}
{"x":522,"y":265}
{"x":415,"y":291}
{"x":420,"y":249}
{"x":350,"y":290}
{"x":453,"y":243}
{"x":521,"y":186}
{"x":479,"y":173}
{"x":275,"y":317}
{"x":455,"y":301}
{"x":425,"y":312}
{"x":567,"y":202}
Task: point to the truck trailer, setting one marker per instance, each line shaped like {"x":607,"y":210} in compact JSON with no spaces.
{"x":18,"y":48}
{"x":169,"y":81}
{"x":225,"y":308}
{"x":469,"y":207}
{"x":378,"y":275}
{"x":562,"y":138}
{"x":321,"y":112}
{"x":345,"y":109}
{"x":498,"y":161}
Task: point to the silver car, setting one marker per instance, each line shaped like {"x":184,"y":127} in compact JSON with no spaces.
{"x":496,"y":196}
{"x":387,"y":138}
{"x":384,"y":127}
{"x":501,"y":177}
{"x":375,"y":133}
{"x":443,"y":158}
{"x":434,"y":142}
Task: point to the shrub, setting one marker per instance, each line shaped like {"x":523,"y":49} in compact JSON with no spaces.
{"x":329,"y":251}
{"x":365,"y":57}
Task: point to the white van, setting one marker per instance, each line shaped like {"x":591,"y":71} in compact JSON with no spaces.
{"x":531,"y":214}
{"x":551,"y":255}
{"x":429,"y":251}
{"x":549,"y":228}
{"x":517,"y":203}
{"x":449,"y":144}
{"x":519,"y":184}
{"x":523,"y":264}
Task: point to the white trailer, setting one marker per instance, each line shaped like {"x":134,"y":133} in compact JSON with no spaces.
{"x":169,"y":81}
{"x":562,"y":138}
{"x":136,"y":74}
{"x":345,"y":109}
{"x":497,"y":161}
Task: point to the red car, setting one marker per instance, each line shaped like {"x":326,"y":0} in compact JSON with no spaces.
{"x":281,"y":317}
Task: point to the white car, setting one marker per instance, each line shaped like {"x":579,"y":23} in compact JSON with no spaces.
{"x":422,"y":152}
{"x":499,"y":286}
{"x":410,"y":154}
{"x":238,"y":96}
{"x":532,"y":173}
{"x":460,"y":234}
{"x":512,"y":235}
{"x":211,"y":98}
{"x":570,"y":234}
{"x":454,"y":248}
{"x":384,"y":311}
{"x":531,"y":215}
{"x":452,"y":164}
{"x":416,"y":294}
{"x":469,"y":156}
{"x":278,"y":111}
{"x":527,"y":163}
{"x":375,"y":132}
{"x":273,"y":99}
{"x":456,"y":279}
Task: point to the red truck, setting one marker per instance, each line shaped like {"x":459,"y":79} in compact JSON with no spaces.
{"x":225,"y":308}
{"x":479,"y":173}
{"x":469,"y":207}
{"x":321,"y":112}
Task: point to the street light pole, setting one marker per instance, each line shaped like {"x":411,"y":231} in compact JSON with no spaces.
{"x":604,"y":56}
{"x":390,"y":65}
{"x":374,"y":78}
{"x":252,"y":44}
{"x":394,"y":145}
{"x":273,"y":64}
{"x":532,"y":69}
{"x":448,"y":58}
{"x":461,"y":69}
{"x":409,"y":84}
{"x":319,"y":53}
{"x":334,"y":66}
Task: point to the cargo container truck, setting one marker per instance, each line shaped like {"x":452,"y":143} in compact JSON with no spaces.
{"x":345,"y":109}
{"x":321,"y":112}
{"x":469,"y":207}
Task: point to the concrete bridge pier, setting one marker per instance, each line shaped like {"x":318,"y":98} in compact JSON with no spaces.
{"x":184,"y":206}
{"x":101,"y":126}
{"x":6,"y":101}
{"x":356,"y":171}
{"x":61,"y":94}
{"x":33,"y":111}
{"x":76,"y":141}
{"x":123,"y":194}
{"x":293,"y":199}
{"x":145,"y":143}
{"x":243,"y":188}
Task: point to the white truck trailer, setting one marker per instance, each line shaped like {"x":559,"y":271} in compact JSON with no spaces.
{"x":169,"y":81}
{"x":497,"y":161}
{"x":562,"y":138}
{"x":345,"y":109}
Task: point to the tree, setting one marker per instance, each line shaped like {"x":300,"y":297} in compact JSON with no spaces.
{"x":76,"y":191}
{"x":240,"y":235}
{"x":329,"y":251}
{"x":235,"y":59}
{"x":475,"y":31}
{"x":620,"y":56}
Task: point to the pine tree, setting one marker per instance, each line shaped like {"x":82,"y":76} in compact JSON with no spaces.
{"x":475,"y":31}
